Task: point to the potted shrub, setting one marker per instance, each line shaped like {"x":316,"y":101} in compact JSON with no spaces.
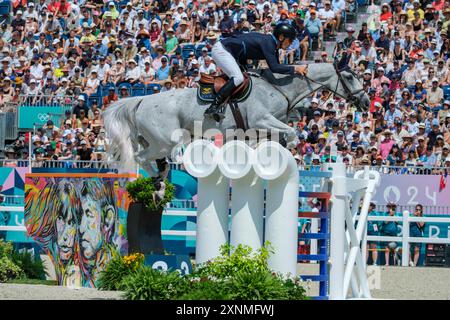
{"x":149,"y":197}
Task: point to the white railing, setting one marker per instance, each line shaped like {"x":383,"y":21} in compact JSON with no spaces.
{"x":403,"y":170}
{"x":417,"y":170}
{"x":41,"y":100}
{"x":404,"y":237}
{"x":347,"y":243}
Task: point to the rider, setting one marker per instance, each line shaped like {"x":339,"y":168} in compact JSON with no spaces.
{"x":254,"y":46}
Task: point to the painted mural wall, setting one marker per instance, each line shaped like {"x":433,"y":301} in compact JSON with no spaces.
{"x":79,"y":221}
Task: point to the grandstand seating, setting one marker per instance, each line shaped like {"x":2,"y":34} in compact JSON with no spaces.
{"x":5,"y":8}
{"x":186,"y":50}
{"x":94,"y":98}
{"x":149,"y":88}
{"x":124,"y":84}
{"x":138,"y":90}
{"x":105,"y":89}
{"x":446,"y":92}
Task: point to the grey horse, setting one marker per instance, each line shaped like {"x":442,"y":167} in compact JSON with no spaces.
{"x":147,"y":128}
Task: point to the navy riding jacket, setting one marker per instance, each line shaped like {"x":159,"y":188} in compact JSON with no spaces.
{"x":256,"y":46}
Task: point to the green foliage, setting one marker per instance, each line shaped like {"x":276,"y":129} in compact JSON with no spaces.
{"x":233,"y":260}
{"x":142,"y":189}
{"x":6,"y":248}
{"x":16,"y":264}
{"x":31,"y":266}
{"x":295,"y":290}
{"x":239,"y":274}
{"x":9,"y":270}
{"x":207,"y":290}
{"x":149,"y":284}
{"x":111,"y":278}
{"x":257,"y":285}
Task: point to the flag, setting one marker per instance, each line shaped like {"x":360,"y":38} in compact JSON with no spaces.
{"x":443,"y":182}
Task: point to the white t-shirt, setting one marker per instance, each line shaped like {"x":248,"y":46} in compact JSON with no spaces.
{"x":211,"y":69}
{"x":133,"y":73}
{"x":325,"y":15}
{"x":101,"y":71}
{"x":37,"y":71}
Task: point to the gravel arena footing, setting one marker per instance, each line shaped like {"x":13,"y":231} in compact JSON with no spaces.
{"x":385,"y":282}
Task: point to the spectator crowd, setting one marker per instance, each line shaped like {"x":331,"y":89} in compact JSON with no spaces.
{"x":88,"y":54}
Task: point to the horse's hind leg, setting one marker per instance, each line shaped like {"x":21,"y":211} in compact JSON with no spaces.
{"x":275,"y":126}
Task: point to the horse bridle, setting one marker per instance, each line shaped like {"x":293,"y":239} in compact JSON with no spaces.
{"x":350,"y":93}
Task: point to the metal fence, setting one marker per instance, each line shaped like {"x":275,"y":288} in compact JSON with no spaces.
{"x":428,"y":210}
{"x":405,"y":239}
{"x":418,"y":170}
{"x":41,"y":100}
{"x":398,"y":170}
{"x":68,"y":164}
{"x":8,"y":127}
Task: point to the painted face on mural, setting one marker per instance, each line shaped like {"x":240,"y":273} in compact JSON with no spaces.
{"x":66,"y":230}
{"x":90,"y":227}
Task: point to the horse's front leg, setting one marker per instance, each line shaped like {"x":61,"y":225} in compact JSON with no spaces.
{"x":286,"y":134}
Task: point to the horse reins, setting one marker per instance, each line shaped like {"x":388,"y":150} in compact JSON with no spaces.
{"x":292,"y":104}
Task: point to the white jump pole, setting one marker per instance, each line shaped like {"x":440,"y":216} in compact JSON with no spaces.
{"x":277,"y":165}
{"x":200,"y":161}
{"x":337,"y":228}
{"x":247,"y":198}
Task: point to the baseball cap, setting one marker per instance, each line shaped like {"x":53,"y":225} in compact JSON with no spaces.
{"x":435,"y":122}
{"x":317,"y":113}
{"x":314,"y":100}
{"x":82,"y":142}
{"x":81,"y":98}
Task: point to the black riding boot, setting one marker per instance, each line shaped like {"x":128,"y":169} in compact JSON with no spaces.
{"x":217,"y":110}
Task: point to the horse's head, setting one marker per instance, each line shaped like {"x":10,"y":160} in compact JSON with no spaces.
{"x":352,"y":89}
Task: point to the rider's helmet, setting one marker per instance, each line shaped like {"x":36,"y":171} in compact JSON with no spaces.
{"x":287,"y":30}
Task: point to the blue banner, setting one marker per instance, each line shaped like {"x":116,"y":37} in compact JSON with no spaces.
{"x":30,"y":116}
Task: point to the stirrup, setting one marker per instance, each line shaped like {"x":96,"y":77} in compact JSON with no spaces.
{"x":219,"y":113}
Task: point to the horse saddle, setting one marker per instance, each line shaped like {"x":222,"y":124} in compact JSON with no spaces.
{"x":210,"y":85}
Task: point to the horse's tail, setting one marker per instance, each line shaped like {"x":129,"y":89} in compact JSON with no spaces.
{"x":119,"y":119}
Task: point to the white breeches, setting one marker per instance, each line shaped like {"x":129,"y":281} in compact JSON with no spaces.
{"x":225,"y":61}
